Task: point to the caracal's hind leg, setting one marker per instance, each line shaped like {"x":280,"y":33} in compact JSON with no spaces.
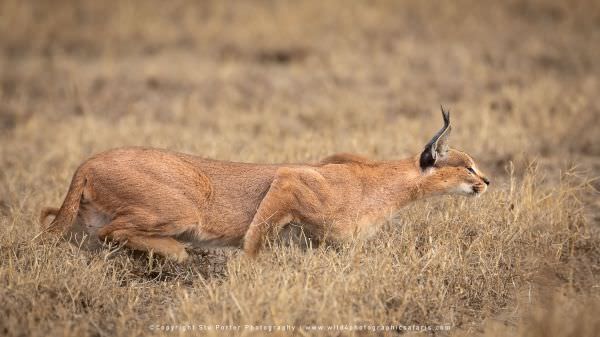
{"x":165,"y":246}
{"x":133,"y":238}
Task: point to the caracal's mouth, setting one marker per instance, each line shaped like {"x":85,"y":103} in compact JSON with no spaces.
{"x":477,"y":191}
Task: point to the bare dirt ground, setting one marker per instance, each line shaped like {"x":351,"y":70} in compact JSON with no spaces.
{"x":268,"y":81}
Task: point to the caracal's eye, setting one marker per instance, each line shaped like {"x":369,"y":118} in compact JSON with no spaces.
{"x":470,"y":169}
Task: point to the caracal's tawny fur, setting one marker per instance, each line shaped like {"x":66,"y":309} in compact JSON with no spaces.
{"x":162,"y":201}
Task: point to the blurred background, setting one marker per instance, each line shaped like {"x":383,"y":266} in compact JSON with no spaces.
{"x":296,"y":80}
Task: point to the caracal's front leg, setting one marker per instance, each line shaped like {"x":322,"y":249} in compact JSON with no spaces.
{"x":272,"y":213}
{"x":296,"y":194}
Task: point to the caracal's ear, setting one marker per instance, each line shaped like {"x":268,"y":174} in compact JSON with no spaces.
{"x":438,"y":145}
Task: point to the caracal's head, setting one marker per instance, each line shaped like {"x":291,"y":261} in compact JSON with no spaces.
{"x":454,"y":170}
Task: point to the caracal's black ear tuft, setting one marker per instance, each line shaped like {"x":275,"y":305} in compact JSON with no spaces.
{"x":438,"y":145}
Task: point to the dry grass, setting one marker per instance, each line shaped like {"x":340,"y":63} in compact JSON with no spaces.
{"x":268,"y":81}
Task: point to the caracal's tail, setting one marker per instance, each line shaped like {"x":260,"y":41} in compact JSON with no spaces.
{"x":65,"y":216}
